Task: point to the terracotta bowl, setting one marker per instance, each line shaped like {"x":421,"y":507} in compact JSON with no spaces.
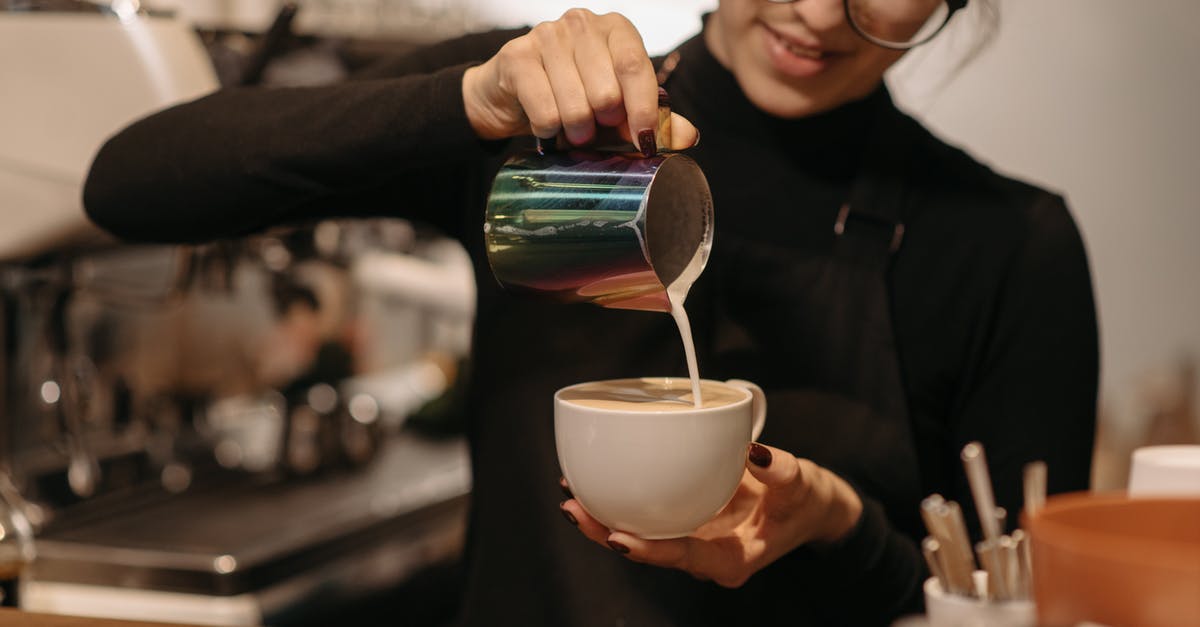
{"x":1116,"y":560}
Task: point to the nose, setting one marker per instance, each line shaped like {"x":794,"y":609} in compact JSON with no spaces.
{"x":820,"y":15}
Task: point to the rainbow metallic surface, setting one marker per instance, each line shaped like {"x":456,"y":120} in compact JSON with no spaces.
{"x":570,"y":226}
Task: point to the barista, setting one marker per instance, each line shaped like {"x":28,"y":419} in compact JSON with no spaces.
{"x":895,"y":297}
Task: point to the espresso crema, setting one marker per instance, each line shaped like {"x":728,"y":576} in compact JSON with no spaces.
{"x":651,"y":394}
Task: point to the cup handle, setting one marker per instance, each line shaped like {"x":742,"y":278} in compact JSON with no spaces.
{"x":759,"y":403}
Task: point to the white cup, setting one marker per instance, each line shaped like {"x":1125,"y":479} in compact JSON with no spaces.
{"x":656,"y":474}
{"x":1165,"y":471}
{"x":951,"y":610}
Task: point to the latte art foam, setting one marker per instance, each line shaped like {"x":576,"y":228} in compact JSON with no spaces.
{"x":652,"y":394}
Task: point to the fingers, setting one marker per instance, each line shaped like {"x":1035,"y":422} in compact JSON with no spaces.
{"x":774,"y":467}
{"x":569,"y":75}
{"x":534,"y":95}
{"x":557,"y":48}
{"x":683,"y":134}
{"x":596,"y":71}
{"x":635,"y":73}
{"x":590,"y":527}
{"x":576,"y":515}
{"x":789,"y":482}
{"x":727,"y":559}
{"x":723,"y":561}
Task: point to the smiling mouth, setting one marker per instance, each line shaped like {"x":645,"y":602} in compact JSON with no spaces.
{"x":795,"y":47}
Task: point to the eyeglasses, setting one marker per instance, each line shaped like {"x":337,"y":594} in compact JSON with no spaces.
{"x":897,"y":24}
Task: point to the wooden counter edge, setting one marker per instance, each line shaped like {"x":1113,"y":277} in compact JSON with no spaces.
{"x":17,"y":618}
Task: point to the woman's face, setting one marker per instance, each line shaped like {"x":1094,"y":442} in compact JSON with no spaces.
{"x":795,"y":59}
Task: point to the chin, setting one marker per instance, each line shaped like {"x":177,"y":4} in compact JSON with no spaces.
{"x":786,"y":101}
{"x":789,"y":100}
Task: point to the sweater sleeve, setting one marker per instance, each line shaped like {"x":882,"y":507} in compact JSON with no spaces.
{"x":241,"y":159}
{"x":874,"y":562}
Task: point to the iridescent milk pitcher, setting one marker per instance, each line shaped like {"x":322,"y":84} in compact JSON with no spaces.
{"x":606,"y":226}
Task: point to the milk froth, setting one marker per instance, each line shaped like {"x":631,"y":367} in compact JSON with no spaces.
{"x":652,"y":394}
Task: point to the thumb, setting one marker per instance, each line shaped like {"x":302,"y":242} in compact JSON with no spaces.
{"x":684,"y":134}
{"x":774,"y":467}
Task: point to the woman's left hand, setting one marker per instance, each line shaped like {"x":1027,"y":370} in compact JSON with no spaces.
{"x":782,"y":503}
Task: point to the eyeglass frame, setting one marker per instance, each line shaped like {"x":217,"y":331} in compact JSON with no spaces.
{"x":952,"y":5}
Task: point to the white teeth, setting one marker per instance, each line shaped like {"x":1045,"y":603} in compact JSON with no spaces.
{"x":807,"y":53}
{"x":803,"y":52}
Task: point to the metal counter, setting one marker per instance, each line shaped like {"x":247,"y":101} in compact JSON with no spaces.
{"x":275,"y":548}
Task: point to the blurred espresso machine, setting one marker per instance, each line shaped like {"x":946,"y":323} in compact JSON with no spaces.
{"x":253,"y":431}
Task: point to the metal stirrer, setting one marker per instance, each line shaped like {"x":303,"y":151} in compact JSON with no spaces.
{"x":975,"y":464}
{"x":1035,"y":487}
{"x":1005,"y":558}
{"x":944,"y":522}
{"x":931,"y":549}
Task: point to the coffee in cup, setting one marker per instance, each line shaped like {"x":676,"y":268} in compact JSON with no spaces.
{"x":641,"y":458}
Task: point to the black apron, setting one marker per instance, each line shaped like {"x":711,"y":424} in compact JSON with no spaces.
{"x":824,"y":351}
{"x":814,"y":329}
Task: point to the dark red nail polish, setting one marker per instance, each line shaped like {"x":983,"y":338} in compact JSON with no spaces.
{"x":568,"y":515}
{"x":647,"y":143}
{"x":760,"y":455}
{"x":562,"y":485}
{"x":618,"y":547}
{"x":664,"y":99}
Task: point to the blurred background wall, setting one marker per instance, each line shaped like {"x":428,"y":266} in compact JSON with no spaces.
{"x":1097,"y":99}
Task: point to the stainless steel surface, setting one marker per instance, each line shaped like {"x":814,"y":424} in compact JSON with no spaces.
{"x":981,"y":489}
{"x":965,"y":563}
{"x":166,"y":352}
{"x":1034,"y":487}
{"x":611,"y":229}
{"x":1004,"y":558}
{"x":944,"y":521}
{"x":604,"y":224}
{"x":202,"y":421}
{"x":232,"y":539}
{"x":931,"y":550}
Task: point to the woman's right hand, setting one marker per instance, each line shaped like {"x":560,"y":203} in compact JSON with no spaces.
{"x":569,"y":75}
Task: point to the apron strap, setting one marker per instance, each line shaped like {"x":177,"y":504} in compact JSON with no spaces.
{"x":878,"y":194}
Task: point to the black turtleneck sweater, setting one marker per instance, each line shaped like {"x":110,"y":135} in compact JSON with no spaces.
{"x":991,"y":308}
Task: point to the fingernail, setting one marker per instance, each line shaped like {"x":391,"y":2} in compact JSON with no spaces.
{"x":697,"y":142}
{"x":562,"y":484}
{"x":760,"y":455}
{"x":664,"y":99}
{"x":567,"y":514}
{"x":618,"y":547}
{"x":646,"y":143}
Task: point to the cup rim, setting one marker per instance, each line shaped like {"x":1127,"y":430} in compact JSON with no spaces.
{"x":933,"y":589}
{"x":748,"y":398}
{"x":1175,"y":456}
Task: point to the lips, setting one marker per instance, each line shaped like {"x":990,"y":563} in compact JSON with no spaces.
{"x":794,"y":56}
{"x":797,"y":45}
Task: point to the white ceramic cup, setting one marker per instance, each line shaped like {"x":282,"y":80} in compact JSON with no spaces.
{"x":656,"y":474}
{"x":1165,"y":471}
{"x":949,"y":610}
